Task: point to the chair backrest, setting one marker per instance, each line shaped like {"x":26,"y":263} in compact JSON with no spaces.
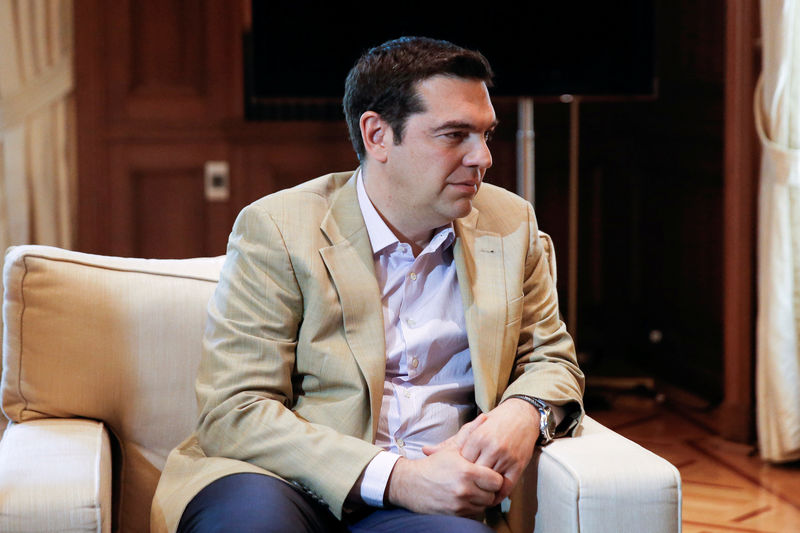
{"x":108,"y":338}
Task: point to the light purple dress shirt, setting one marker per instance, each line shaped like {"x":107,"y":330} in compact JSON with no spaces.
{"x":428,"y":393}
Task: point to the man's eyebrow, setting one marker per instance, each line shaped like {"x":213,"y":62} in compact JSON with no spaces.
{"x":458,"y":125}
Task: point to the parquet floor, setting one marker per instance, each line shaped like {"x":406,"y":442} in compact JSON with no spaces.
{"x":726,"y":488}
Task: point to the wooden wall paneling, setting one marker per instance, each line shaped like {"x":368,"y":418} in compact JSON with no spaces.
{"x":741,"y":178}
{"x":219,"y":218}
{"x":165,"y":55}
{"x":270,"y":156}
{"x":90,"y":105}
{"x":169,"y":212}
{"x":258,"y":175}
{"x":226,"y":60}
{"x":158,"y":201}
{"x":149,"y":74}
{"x":551,"y":124}
{"x":273,"y":166}
{"x":503,"y":144}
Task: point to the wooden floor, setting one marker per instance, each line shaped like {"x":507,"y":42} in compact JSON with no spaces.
{"x":726,"y":488}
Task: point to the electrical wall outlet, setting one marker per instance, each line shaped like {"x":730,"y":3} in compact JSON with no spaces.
{"x":217,"y":181}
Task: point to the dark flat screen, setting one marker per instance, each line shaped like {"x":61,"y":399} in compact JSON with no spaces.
{"x":304,"y":50}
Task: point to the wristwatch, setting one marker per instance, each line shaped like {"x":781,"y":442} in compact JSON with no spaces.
{"x":547,"y":421}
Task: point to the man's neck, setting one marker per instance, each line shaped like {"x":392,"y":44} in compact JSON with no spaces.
{"x":417,"y":239}
{"x":416,"y":245}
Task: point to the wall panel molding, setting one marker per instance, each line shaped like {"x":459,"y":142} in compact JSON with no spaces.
{"x":158,"y":202}
{"x":164,"y":57}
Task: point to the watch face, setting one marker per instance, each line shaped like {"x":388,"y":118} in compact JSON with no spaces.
{"x":551,"y":424}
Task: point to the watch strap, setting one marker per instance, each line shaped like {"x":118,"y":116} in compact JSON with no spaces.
{"x":547,"y":421}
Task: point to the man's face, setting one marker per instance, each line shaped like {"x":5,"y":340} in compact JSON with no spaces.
{"x":437,"y":169}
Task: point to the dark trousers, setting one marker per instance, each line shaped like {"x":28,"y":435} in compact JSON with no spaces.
{"x":255,"y":503}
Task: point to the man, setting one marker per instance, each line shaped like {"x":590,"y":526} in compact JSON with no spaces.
{"x":362,"y":321}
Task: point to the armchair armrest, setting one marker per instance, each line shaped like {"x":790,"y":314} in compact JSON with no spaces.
{"x":55,"y":475}
{"x":597,"y":482}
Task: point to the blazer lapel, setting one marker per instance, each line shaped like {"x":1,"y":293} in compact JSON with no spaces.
{"x":481,"y":278}
{"x":350,"y":264}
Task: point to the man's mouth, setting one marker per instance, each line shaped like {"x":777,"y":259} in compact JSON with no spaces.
{"x":466,"y":186}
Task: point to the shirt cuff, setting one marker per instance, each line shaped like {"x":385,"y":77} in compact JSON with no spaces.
{"x":376,"y":477}
{"x":558,"y":413}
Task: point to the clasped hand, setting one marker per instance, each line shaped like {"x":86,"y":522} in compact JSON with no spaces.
{"x":474,"y":469}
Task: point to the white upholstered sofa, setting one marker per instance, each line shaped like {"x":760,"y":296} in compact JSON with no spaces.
{"x":99,"y":359}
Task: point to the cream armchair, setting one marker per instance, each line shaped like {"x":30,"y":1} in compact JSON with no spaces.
{"x":99,"y":359}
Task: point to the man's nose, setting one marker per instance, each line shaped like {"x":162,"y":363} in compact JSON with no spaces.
{"x":479,"y":155}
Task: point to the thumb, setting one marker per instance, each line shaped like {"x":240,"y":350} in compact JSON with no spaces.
{"x":447,"y":443}
{"x":459,"y":439}
{"x":430,"y":450}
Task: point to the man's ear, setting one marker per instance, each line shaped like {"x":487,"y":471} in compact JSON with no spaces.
{"x":376,"y":134}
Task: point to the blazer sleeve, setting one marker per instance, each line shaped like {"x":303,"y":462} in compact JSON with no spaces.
{"x":244,"y":386}
{"x":546,"y":365}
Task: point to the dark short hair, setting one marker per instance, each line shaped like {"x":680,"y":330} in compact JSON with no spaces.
{"x":384,"y":80}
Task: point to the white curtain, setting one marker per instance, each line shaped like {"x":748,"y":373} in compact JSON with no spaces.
{"x":777,"y":109}
{"x":38,"y":186}
{"x":37,"y":139}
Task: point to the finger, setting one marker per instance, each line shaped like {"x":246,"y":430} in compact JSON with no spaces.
{"x":457,"y":440}
{"x":498,"y":460}
{"x":431,"y":449}
{"x":447,"y":443}
{"x":510,"y":479}
{"x":481,"y":449}
{"x":504,"y":492}
{"x":480,"y":499}
{"x":471,"y":449}
{"x":488,"y":480}
{"x":467,"y":429}
{"x":480,"y":419}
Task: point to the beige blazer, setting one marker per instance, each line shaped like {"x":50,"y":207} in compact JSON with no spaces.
{"x":292,"y":374}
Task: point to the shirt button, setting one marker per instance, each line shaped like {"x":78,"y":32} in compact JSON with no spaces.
{"x":414,"y":362}
{"x":413,"y":276}
{"x":411,"y":322}
{"x":400,"y":442}
{"x":407,"y":393}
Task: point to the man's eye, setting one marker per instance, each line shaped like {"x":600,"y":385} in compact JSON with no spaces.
{"x":456,"y":135}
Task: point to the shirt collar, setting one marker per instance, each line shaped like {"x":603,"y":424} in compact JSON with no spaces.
{"x":380,"y":236}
